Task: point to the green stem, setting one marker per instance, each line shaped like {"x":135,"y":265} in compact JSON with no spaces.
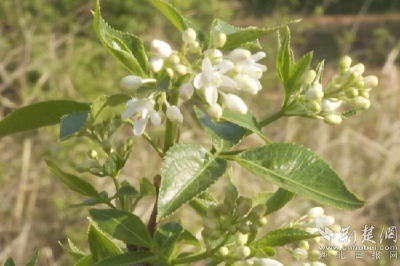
{"x":170,"y":127}
{"x":271,"y":118}
{"x":158,"y":149}
{"x":117,"y":185}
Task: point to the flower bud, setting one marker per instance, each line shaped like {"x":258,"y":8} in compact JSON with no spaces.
{"x":314,"y":106}
{"x":336,"y":228}
{"x":223,"y":209}
{"x":361,"y":103}
{"x":186,"y":91}
{"x":174,"y":59}
{"x":260,"y":209}
{"x":120,"y":146}
{"x":82,"y":168}
{"x":300,"y":253}
{"x":220,"y":40}
{"x":370,"y":81}
{"x":262,"y":221}
{"x":244,"y":229}
{"x":242,"y":252}
{"x":215,"y":55}
{"x":194,"y":47}
{"x":322,"y":221}
{"x":333,"y":119}
{"x":161,"y":49}
{"x":352,"y":92}
{"x":232,"y":229}
{"x":226,"y":224}
{"x":92,"y":154}
{"x":266,"y":262}
{"x":330,"y":105}
{"x":106,"y":145}
{"x":215,"y":111}
{"x":170,"y":72}
{"x":317,"y":263}
{"x":156,"y":64}
{"x":212,"y":212}
{"x":359,"y":84}
{"x":244,"y":207}
{"x":309,"y":77}
{"x":239,"y":55}
{"x":181,"y":70}
{"x":129,"y":143}
{"x":189,"y":35}
{"x":215,"y":235}
{"x":235,"y":103}
{"x":210,"y":224}
{"x":131,"y":82}
{"x":253,"y":228}
{"x":315,"y":212}
{"x":314,"y":254}
{"x":354,"y":76}
{"x":304,"y":245}
{"x":224,"y":251}
{"x":230,"y":197}
{"x":313,"y":95}
{"x":345,"y":63}
{"x":205,"y":233}
{"x":241,"y":239}
{"x":364,"y":94}
{"x":358,"y":68}
{"x":174,"y":114}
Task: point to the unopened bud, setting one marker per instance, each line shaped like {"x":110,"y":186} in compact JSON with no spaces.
{"x":330,"y":105}
{"x":322,"y":222}
{"x":314,"y":254}
{"x":215,"y":235}
{"x":262,"y":221}
{"x":131,"y":82}
{"x":239,"y":55}
{"x":223,"y":209}
{"x":309,"y":77}
{"x":260,"y":209}
{"x":156,"y":64}
{"x":230,"y":198}
{"x":244,"y":229}
{"x":174,"y":114}
{"x":333,"y":119}
{"x":345,"y":63}
{"x":189,"y":35}
{"x":82,"y":168}
{"x":299,"y":253}
{"x":120,"y":146}
{"x":266,"y":262}
{"x":313,"y":95}
{"x":358,"y":68}
{"x":304,"y":245}
{"x":232,"y":229}
{"x":181,"y":70}
{"x":364,"y":94}
{"x":215,"y":55}
{"x":226,"y":224}
{"x":194,"y":47}
{"x":220,"y":40}
{"x":106,"y":145}
{"x":242,"y":252}
{"x":315,"y":212}
{"x":186,"y":91}
{"x":314,"y":106}
{"x":244,"y":207}
{"x":235,"y":103}
{"x":174,"y":59}
{"x":161,"y":49}
{"x":361,"y":103}
{"x":352,"y":92}
{"x":129,"y":143}
{"x":210,"y":224}
{"x":241,"y":239}
{"x":92,"y":154}
{"x":212,"y":212}
{"x":215,"y":111}
{"x":370,"y":81}
{"x":224,"y":251}
{"x":253,"y":228}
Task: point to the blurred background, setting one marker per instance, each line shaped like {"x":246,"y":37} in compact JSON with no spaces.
{"x":49,"y":50}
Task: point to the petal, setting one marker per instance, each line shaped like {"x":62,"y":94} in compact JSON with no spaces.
{"x":139,"y":126}
{"x":128,"y":113}
{"x":262,"y":67}
{"x":198,"y":81}
{"x":206,"y":65}
{"x":155,"y":118}
{"x":258,"y":56}
{"x":225,"y":66}
{"x":227,"y":81}
{"x":211,"y":95}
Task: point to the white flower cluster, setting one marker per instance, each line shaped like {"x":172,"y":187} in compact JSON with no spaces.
{"x":349,"y":86}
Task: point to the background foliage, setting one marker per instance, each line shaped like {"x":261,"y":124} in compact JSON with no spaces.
{"x":49,"y":50}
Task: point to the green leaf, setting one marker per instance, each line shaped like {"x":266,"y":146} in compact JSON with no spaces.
{"x":72,"y":123}
{"x":34,"y":259}
{"x":283,"y":60}
{"x":107,"y":107}
{"x":297,"y":72}
{"x":101,"y":247}
{"x":126,"y":191}
{"x":247,"y":121}
{"x":125,"y":47}
{"x":177,"y":19}
{"x":297,"y":169}
{"x":279,"y":199}
{"x":202,"y":202}
{"x":167,"y":236}
{"x":9,"y":262}
{"x":319,"y":70}
{"x":38,"y":115}
{"x":73,"y":251}
{"x":261,"y":198}
{"x":349,"y":113}
{"x":73,"y":182}
{"x":189,"y":238}
{"x":147,"y":188}
{"x":225,"y":135}
{"x":282,"y":237}
{"x":85,"y":261}
{"x":92,"y":201}
{"x":187,"y":171}
{"x":123,"y":226}
{"x":128,"y":259}
{"x":239,"y":37}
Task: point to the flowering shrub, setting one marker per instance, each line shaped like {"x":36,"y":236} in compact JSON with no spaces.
{"x":212,"y":71}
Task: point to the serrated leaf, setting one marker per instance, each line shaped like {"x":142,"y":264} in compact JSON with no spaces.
{"x":38,"y":115}
{"x":108,"y":107}
{"x":34,"y":258}
{"x":279,"y":199}
{"x":126,"y":191}
{"x":73,"y":182}
{"x":239,"y":37}
{"x":283,"y":60}
{"x":177,"y":19}
{"x":189,"y":239}
{"x":187,"y":171}
{"x":9,"y":262}
{"x":75,"y":253}
{"x":319,"y":71}
{"x":261,"y":198}
{"x":225,"y":135}
{"x":127,"y":48}
{"x":85,"y":261}
{"x":167,"y":236}
{"x":101,"y":247}
{"x":297,"y":72}
{"x":202,"y":202}
{"x":349,"y":113}
{"x":91,"y":201}
{"x":123,"y":226}
{"x":282,"y":237}
{"x":247,"y":121}
{"x":297,"y":169}
{"x":72,"y":123}
{"x":147,"y":188}
{"x":163,"y":85}
{"x":128,"y":259}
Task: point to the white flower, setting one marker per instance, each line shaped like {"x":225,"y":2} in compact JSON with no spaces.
{"x":212,"y":78}
{"x":186,"y":91}
{"x":239,"y":55}
{"x":335,"y":241}
{"x":361,"y":103}
{"x":134,"y":82}
{"x":330,"y":105}
{"x":300,"y":253}
{"x":248,"y":84}
{"x":161,"y":49}
{"x":220,"y":40}
{"x":189,"y":35}
{"x":322,"y":221}
{"x":370,"y":81}
{"x":174,"y":114}
{"x":215,"y":55}
{"x":315,"y":93}
{"x":357,"y":68}
{"x":266,"y":262}
{"x":250,"y":67}
{"x":235,"y":103}
{"x":315,"y":212}
{"x":215,"y":111}
{"x":142,"y":110}
{"x":156,"y":64}
{"x":242,"y":252}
